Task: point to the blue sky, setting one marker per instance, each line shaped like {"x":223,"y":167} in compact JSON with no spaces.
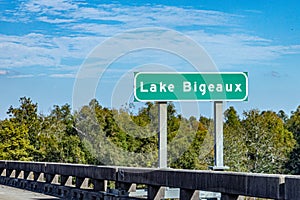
{"x":43,"y":45}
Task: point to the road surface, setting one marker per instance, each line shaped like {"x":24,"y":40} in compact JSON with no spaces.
{"x":11,"y":193}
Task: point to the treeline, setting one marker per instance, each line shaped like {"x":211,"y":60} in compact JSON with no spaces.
{"x":264,"y":142}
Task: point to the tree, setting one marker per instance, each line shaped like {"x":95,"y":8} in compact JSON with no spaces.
{"x":26,"y":114}
{"x":115,"y":139}
{"x":260,"y":142}
{"x":58,"y":138}
{"x":192,"y":156}
{"x":231,"y":118}
{"x":268,"y":142}
{"x":235,"y":149}
{"x":63,"y":114}
{"x":281,"y":114}
{"x":14,"y":141}
{"x":293,"y":125}
{"x":192,"y":148}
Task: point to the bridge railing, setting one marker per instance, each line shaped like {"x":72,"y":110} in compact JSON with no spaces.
{"x":90,"y":182}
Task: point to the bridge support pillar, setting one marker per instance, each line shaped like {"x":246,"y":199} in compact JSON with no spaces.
{"x":30,"y":176}
{"x":19,"y":174}
{"x":40,"y":177}
{"x":50,"y":178}
{"x":66,"y":180}
{"x":10,"y":173}
{"x":82,"y":182}
{"x":85,"y":183}
{"x":156,"y":192}
{"x":229,"y":196}
{"x":189,"y":194}
{"x":2,"y":171}
{"x":26,"y":174}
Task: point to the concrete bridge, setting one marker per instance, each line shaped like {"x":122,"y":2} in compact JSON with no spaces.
{"x":75,"y":181}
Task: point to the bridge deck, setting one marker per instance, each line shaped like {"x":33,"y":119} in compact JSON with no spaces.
{"x":12,"y":193}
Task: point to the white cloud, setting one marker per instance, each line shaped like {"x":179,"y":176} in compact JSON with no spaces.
{"x":3,"y":72}
{"x":22,"y":76}
{"x":54,"y":21}
{"x":29,"y":50}
{"x":229,"y":50}
{"x":63,"y":75}
{"x":48,"y":7}
{"x":85,"y":26}
{"x":90,"y":13}
{"x":42,"y":50}
{"x":96,"y":29}
{"x":58,"y":11}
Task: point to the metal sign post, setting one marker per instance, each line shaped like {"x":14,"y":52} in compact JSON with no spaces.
{"x":218,"y":133}
{"x":162,"y":132}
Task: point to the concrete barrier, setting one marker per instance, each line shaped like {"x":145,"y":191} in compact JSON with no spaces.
{"x":230,"y":183}
{"x":83,"y":171}
{"x":90,"y":182}
{"x":292,"y":187}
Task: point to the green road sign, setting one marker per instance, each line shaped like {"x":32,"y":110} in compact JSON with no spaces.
{"x":161,"y":86}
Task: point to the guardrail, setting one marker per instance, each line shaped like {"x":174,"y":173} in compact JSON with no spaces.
{"x":75,"y":181}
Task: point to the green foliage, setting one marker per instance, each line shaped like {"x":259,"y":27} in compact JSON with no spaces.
{"x":259,"y":142}
{"x":235,"y":148}
{"x":26,"y":114}
{"x":15,"y":144}
{"x":192,"y":157}
{"x":30,"y":136}
{"x":268,"y":142}
{"x":293,"y":125}
{"x":114,"y":138}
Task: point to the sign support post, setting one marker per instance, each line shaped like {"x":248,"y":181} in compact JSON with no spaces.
{"x":218,"y":133}
{"x":162,"y":132}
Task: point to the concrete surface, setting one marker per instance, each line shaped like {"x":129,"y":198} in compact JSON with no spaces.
{"x":230,"y":184}
{"x":11,"y":193}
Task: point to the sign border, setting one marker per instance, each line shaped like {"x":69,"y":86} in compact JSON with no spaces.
{"x":136,"y":74}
